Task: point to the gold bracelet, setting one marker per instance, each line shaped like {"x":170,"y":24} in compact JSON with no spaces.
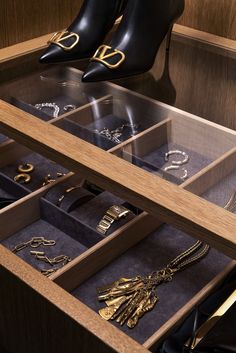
{"x":114,"y":213}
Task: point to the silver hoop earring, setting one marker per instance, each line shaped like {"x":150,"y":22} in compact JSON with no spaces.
{"x":182,"y":153}
{"x":177,"y":167}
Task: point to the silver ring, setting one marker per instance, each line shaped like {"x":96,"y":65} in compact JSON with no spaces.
{"x":177,"y":167}
{"x":171,"y":167}
{"x":69,"y":107}
{"x":182,"y":153}
{"x":185,"y":175}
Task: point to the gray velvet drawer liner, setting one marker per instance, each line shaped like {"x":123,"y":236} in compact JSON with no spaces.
{"x":221,"y":192}
{"x":151,"y":254}
{"x":65,"y":245}
{"x":46,"y":113}
{"x":8,"y":188}
{"x":77,"y":229}
{"x":155,"y":161}
{"x":72,"y":236}
{"x":3,"y":138}
{"x":113,"y":122}
{"x":109,"y":121}
{"x":43,"y":167}
{"x":92,"y":212}
{"x":85,"y":134}
{"x":28,"y":108}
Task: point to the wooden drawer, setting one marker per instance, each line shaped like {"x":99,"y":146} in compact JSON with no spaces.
{"x":58,"y":313}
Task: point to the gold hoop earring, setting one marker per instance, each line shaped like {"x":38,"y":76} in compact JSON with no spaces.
{"x":25,"y":178}
{"x":26,"y":168}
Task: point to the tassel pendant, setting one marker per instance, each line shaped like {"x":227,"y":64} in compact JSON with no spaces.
{"x":128,"y":299}
{"x":112,"y":306}
{"x":145,"y":306}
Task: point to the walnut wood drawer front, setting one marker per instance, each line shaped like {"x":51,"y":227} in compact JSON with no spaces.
{"x":59,"y":313}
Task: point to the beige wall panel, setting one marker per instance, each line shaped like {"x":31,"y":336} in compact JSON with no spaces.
{"x":21,"y":20}
{"x":214,"y":16}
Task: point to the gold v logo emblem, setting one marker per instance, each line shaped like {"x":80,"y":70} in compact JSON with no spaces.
{"x":103,"y":53}
{"x":59,"y":37}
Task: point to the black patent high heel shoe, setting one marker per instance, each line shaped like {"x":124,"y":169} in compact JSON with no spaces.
{"x":162,"y":89}
{"x":136,"y":41}
{"x":80,"y":40}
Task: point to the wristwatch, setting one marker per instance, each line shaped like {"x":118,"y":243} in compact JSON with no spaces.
{"x":114,"y":213}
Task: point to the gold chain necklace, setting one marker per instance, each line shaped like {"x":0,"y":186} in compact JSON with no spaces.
{"x":128,"y":299}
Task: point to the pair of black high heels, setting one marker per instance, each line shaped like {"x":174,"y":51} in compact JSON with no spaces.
{"x":133,"y":46}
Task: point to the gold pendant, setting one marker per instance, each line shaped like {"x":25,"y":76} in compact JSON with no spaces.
{"x":112,"y":306}
{"x":124,"y":286}
{"x":147,"y":304}
{"x":128,"y":299}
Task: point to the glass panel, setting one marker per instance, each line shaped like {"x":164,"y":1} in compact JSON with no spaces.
{"x":111,"y":120}
{"x":51,"y":93}
{"x":191,"y":152}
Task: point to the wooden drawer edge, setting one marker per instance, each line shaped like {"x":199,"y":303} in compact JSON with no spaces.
{"x":26,"y":279}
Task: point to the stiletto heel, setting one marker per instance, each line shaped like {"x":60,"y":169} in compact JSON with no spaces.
{"x":88,"y":30}
{"x":135,"y":43}
{"x":168,"y":38}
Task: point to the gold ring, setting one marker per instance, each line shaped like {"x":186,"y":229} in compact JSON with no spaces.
{"x":25,"y":178}
{"x":26,"y":168}
{"x":67,"y":191}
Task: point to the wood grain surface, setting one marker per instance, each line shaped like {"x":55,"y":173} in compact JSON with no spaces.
{"x":213,"y":16}
{"x":27,"y":19}
{"x":28,"y":299}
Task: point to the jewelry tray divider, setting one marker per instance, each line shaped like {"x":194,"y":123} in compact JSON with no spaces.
{"x":9,"y":189}
{"x":17,"y":154}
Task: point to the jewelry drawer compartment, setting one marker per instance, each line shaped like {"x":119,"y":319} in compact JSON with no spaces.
{"x":88,"y":204}
{"x":49,"y":239}
{"x":111,"y":119}
{"x":200,"y":163}
{"x":151,"y":254}
{"x":50,"y":93}
{"x":27,"y":168}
